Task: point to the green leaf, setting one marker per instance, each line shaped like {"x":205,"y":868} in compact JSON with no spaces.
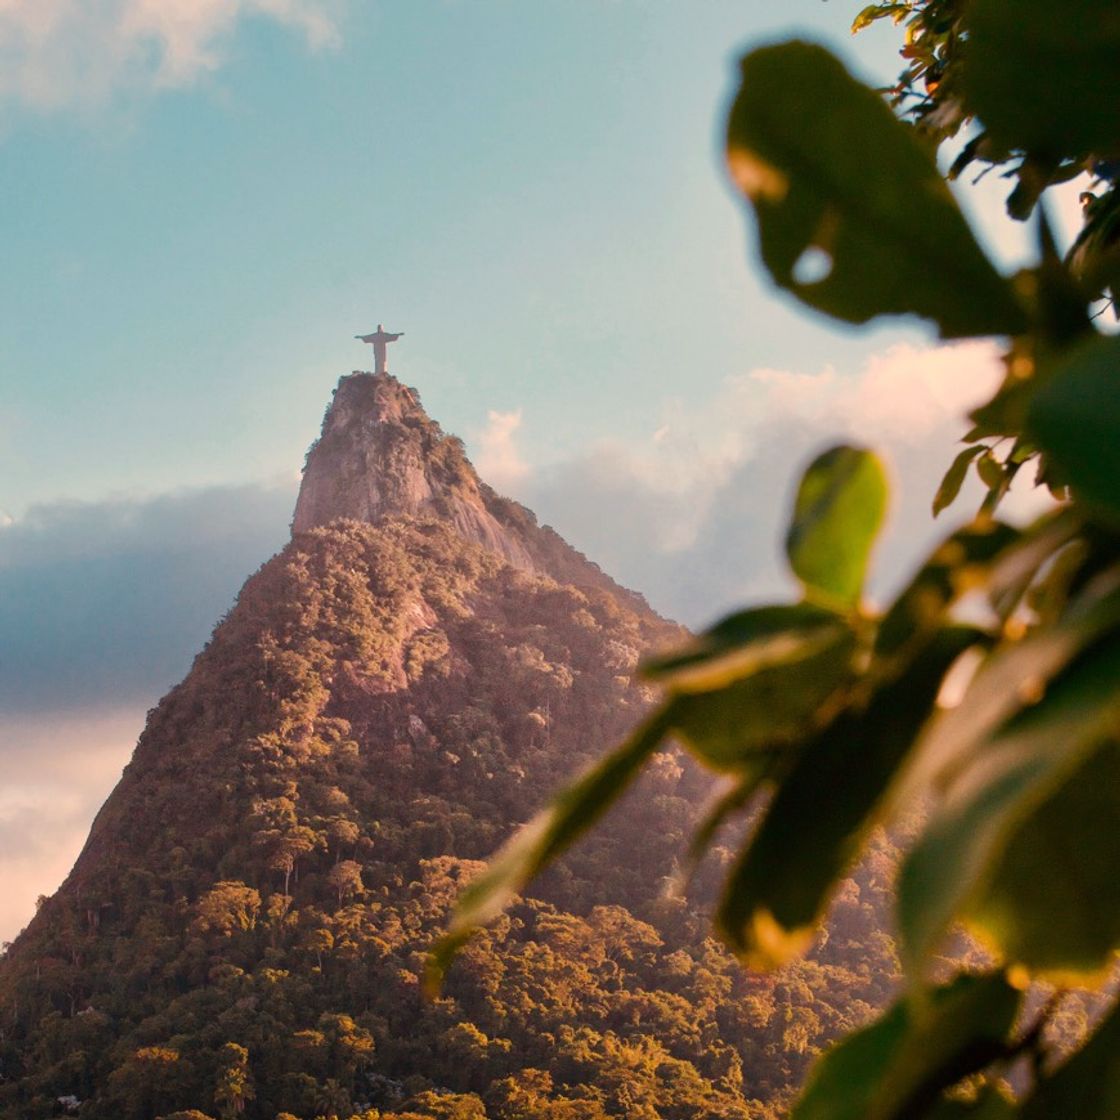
{"x":836,"y":516}
{"x":819,"y":818}
{"x":730,"y":801}
{"x":1043,"y":78}
{"x":745,"y":643}
{"x":1011,"y":679}
{"x":1087,"y":1087}
{"x":1051,"y":902}
{"x":990,"y":470}
{"x":548,"y":834}
{"x":961,"y":562}
{"x":853,"y":215}
{"x":875,"y":12}
{"x":842,"y":1084}
{"x":896,"y":1068}
{"x":866,"y":17}
{"x":768,"y":711}
{"x":954,"y":478}
{"x":958,"y":1032}
{"x":990,"y":1105}
{"x":1020,"y":732}
{"x":1018,"y":566}
{"x":1094,"y":257}
{"x":1075,"y":417}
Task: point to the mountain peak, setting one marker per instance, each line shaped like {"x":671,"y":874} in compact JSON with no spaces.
{"x":380,"y":455}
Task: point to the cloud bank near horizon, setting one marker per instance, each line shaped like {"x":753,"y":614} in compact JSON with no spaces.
{"x":59,"y":54}
{"x":695,"y":519}
{"x":104,"y":604}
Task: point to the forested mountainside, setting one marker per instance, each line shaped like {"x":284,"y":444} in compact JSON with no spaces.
{"x":244,"y":933}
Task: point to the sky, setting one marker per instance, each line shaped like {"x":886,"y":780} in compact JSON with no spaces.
{"x":205,"y":200}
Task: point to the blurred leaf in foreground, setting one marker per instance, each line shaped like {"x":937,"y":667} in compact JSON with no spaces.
{"x":853,"y":215}
{"x":896,"y":1068}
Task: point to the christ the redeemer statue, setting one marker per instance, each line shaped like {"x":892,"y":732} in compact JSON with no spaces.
{"x":380,"y":340}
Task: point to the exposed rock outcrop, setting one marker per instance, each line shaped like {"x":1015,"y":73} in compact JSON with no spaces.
{"x":380,"y":455}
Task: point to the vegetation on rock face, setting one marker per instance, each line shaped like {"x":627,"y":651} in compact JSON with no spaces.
{"x":832,"y":711}
{"x":245,"y":932}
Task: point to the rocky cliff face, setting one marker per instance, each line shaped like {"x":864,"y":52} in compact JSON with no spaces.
{"x":380,"y":455}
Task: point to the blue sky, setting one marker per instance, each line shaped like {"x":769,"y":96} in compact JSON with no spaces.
{"x":531,"y":191}
{"x":204,"y":200}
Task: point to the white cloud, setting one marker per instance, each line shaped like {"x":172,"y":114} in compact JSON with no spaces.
{"x":58,"y":771}
{"x":906,"y":397}
{"x":60,"y":53}
{"x":498,"y":459}
{"x":695,"y":517}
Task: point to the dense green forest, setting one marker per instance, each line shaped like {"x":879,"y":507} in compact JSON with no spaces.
{"x":246,"y":931}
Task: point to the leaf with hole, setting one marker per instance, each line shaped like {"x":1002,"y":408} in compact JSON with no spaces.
{"x":877,"y":209}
